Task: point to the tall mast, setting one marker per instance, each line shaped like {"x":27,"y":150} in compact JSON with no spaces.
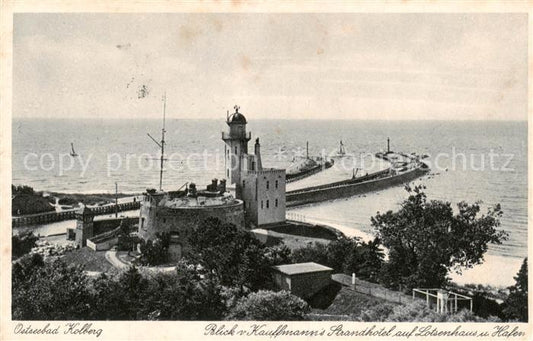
{"x":163,"y":143}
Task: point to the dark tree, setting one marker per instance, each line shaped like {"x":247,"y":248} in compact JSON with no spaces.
{"x":133,"y":287}
{"x":187,"y":294}
{"x":154,"y":252}
{"x":25,"y":267}
{"x":366,"y":260}
{"x":515,"y":306}
{"x":426,"y":239}
{"x":317,"y":252}
{"x":347,"y":255}
{"x":109,"y":301}
{"x":22,"y":244}
{"x":24,"y":200}
{"x":232,"y":254}
{"x":22,"y":189}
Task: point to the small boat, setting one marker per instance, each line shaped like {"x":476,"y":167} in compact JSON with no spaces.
{"x":341,"y":151}
{"x":73,"y":152}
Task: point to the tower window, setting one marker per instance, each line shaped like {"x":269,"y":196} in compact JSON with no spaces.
{"x":267,"y":204}
{"x":243,"y":183}
{"x":268,"y":184}
{"x":253,"y":165}
{"x":276,"y":183}
{"x":261,"y":204}
{"x":235,"y":150}
{"x":276,"y":202}
{"x":227,"y":173}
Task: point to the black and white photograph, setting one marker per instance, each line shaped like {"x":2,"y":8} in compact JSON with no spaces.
{"x":330,"y":174}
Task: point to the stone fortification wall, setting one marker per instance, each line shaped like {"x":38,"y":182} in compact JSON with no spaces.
{"x":181,"y":222}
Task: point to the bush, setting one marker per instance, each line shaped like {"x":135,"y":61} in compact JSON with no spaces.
{"x":30,"y":204}
{"x":49,"y":291}
{"x":67,"y":201}
{"x":269,"y":306}
{"x":316,"y":252}
{"x":377,"y":313}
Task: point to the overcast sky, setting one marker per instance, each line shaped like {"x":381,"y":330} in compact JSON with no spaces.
{"x":348,"y":66}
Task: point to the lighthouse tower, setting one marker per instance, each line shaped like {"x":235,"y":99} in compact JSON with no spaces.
{"x":262,"y":189}
{"x":236,"y":146}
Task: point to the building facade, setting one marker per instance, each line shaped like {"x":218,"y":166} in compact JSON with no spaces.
{"x":263,"y":193}
{"x":84,"y":226}
{"x":261,"y":189}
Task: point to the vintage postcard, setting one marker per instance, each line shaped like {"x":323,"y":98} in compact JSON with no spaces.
{"x":242,"y":170}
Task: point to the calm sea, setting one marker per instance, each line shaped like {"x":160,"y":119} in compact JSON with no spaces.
{"x":470,"y":161}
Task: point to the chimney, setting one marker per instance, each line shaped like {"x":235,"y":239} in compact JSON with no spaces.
{"x":257,"y":152}
{"x":192,"y":189}
{"x":222,"y":186}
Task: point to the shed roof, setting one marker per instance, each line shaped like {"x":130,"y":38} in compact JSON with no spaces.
{"x":300,"y":268}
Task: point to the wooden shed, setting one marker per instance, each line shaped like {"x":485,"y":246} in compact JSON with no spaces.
{"x":302,"y":279}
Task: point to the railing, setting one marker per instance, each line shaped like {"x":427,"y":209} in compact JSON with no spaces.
{"x":229,"y":136}
{"x":371,"y":289}
{"x":443,"y":300}
{"x":343,"y":182}
{"x":296,"y":217}
{"x":49,"y":217}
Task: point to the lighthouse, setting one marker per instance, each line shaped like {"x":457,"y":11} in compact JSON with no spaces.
{"x":236,"y":146}
{"x":262,"y":189}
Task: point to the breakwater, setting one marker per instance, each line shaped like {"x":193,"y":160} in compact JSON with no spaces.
{"x":49,"y":217}
{"x":346,"y":188}
{"x":309,"y":172}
